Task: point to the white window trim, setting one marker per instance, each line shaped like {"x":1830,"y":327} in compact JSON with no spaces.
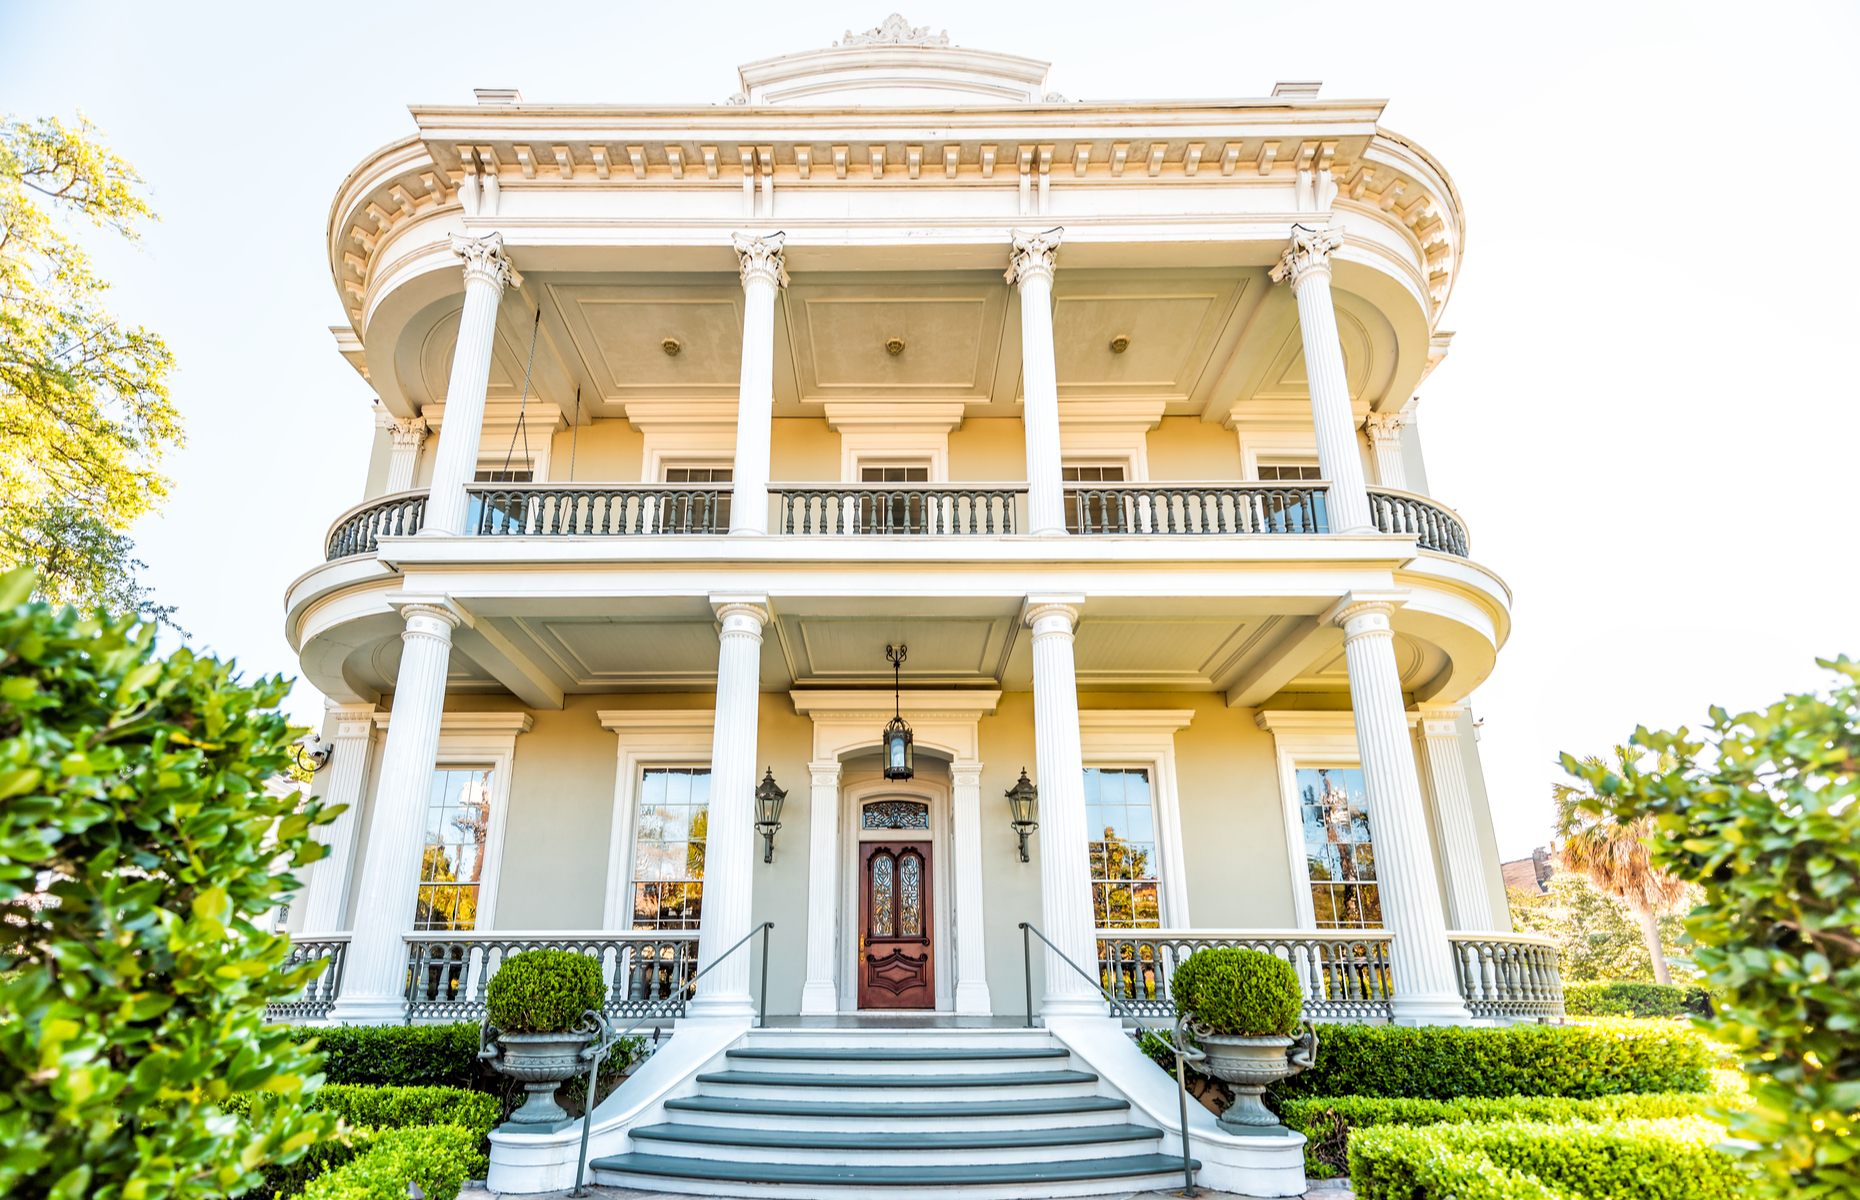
{"x":1256,"y":444}
{"x":479,"y":739}
{"x":894,"y":447}
{"x":1129,"y":449}
{"x":1145,"y":737}
{"x":647,"y":737}
{"x":688,"y":447}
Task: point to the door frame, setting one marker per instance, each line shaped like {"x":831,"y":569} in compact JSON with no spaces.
{"x":853,"y":798}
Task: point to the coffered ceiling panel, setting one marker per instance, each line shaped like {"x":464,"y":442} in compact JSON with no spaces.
{"x":608,"y":652}
{"x":436,"y":363}
{"x":1168,"y":326}
{"x":844,"y":651}
{"x":1145,"y":652}
{"x":1285,"y":377}
{"x":1418,"y":662}
{"x":657,"y":340}
{"x":945,"y":331}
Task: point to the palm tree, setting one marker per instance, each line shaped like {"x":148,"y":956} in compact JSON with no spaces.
{"x":1614,"y":856}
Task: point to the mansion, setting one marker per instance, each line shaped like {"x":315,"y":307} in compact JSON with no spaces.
{"x":890,"y":562}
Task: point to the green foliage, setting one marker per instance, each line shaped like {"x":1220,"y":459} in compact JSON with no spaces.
{"x":543,"y":991}
{"x":1761,"y":813}
{"x":1648,"y":1160}
{"x":401,"y":1055}
{"x":1328,"y":1121}
{"x":440,"y":1158}
{"x":400,"y":1107}
{"x":138,"y":844}
{"x":85,"y":416}
{"x":1238,"y":993}
{"x":1623,"y":999}
{"x":1598,"y":937}
{"x":1445,"y":1061}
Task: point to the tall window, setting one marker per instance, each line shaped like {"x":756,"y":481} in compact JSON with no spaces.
{"x":707,"y":508}
{"x":668,"y":850}
{"x":1101,"y":513}
{"x":1340,"y":858}
{"x":1120,"y":820}
{"x":458,"y":818}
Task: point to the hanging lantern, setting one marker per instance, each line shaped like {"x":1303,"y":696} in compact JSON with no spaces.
{"x":768,"y":812}
{"x":1022,"y":799}
{"x":897,"y":730}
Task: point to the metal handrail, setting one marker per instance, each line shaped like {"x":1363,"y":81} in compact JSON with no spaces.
{"x":1184,"y":1053}
{"x":608,"y":1039}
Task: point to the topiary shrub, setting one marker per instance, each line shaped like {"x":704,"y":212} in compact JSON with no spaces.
{"x":1237,"y":993}
{"x":440,"y":1158}
{"x":543,"y":991}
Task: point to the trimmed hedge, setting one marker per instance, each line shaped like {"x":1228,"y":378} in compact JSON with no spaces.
{"x":440,"y":1158}
{"x":1436,"y":1172}
{"x":1622,"y":999}
{"x":1329,"y":1121}
{"x":398,"y":1055}
{"x":1649,"y":1160}
{"x":543,"y":991}
{"x":1443,"y":1062}
{"x":404,"y":1107}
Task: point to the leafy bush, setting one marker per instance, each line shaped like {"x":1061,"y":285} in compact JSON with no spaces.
{"x":1648,"y":1160}
{"x":1238,"y":993}
{"x":1445,"y":1061}
{"x":543,"y":991}
{"x":138,"y":845}
{"x":1432,"y":1170}
{"x":1761,"y":812}
{"x":398,"y":1055}
{"x":402,"y":1107}
{"x":440,"y":1158}
{"x":1620,"y":998}
{"x":1328,"y":1121}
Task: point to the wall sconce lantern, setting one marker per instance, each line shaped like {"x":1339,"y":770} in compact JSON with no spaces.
{"x":897,"y":731}
{"x":1022,"y":799}
{"x":768,"y":812}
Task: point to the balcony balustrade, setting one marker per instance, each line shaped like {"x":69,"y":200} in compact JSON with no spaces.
{"x":1343,"y":974}
{"x":947,"y":510}
{"x":1435,"y":526}
{"x":598,"y":510}
{"x":1508,"y":975}
{"x":319,"y":995}
{"x":1194,"y":508}
{"x":643,"y":971}
{"x":358,"y":531}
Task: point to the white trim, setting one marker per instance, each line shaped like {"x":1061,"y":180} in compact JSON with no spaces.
{"x":686,"y":445}
{"x":1256,"y":444}
{"x":853,"y":798}
{"x":903,"y":447}
{"x":1110,"y":448}
{"x":646,"y":737}
{"x":1145,"y":737}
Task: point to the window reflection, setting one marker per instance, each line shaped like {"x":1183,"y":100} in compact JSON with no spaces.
{"x":1339,"y":851}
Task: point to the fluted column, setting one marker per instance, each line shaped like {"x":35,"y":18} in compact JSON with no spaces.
{"x":405,"y":435}
{"x":1426,"y":991}
{"x":1307,"y":265}
{"x":487,"y":273}
{"x":730,"y":837}
{"x":1030,"y":269}
{"x":1384,"y":432}
{"x":820,"y":994}
{"x":965,"y":780}
{"x":1065,"y":866}
{"x":375,"y":976}
{"x":755,"y":393}
{"x":328,"y":884}
{"x":1468,"y":907}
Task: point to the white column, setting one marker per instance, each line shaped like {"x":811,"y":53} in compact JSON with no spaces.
{"x":487,"y":273}
{"x":406,"y":435}
{"x":965,"y":780}
{"x":1384,"y":431}
{"x":1468,"y":906}
{"x":730,"y":841}
{"x":1065,"y":868}
{"x":328,"y":886}
{"x":1426,"y":989}
{"x":755,"y":392}
{"x":1307,"y":264}
{"x":375,"y":976}
{"x":1030,"y":269}
{"x":820,"y":993}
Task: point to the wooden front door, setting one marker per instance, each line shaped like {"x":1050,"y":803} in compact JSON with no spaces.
{"x":895,"y":965}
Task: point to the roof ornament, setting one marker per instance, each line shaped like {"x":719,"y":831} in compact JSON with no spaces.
{"x":895,"y":31}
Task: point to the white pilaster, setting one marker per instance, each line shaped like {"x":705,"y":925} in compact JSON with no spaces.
{"x":328,"y":885}
{"x":487,"y":273}
{"x":1426,"y":989}
{"x":1468,"y":906}
{"x":1065,"y":868}
{"x":1384,"y":432}
{"x":820,"y":993}
{"x":374,"y":976}
{"x":755,"y":396}
{"x":1307,"y":264}
{"x":730,"y":843}
{"x":1030,"y":269}
{"x":965,"y":779}
{"x":405,"y":435}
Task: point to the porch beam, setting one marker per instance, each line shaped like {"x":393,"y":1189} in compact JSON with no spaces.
{"x":1308,"y":642}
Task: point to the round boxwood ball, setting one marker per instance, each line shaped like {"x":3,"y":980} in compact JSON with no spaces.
{"x":543,"y":991}
{"x":1238,"y":993}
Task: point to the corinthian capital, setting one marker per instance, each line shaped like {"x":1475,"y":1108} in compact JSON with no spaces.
{"x":1033,"y":254}
{"x":485,"y":260}
{"x":761,"y":258}
{"x":1385,"y":426}
{"x":406,"y":432}
{"x":1308,"y":255}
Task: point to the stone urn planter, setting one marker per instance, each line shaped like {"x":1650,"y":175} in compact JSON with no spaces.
{"x":541,"y":1014}
{"x":541,"y":1062}
{"x":1248,"y":1065}
{"x":1240,"y":1008}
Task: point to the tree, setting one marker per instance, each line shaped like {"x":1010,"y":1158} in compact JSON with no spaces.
{"x":1598,"y":938}
{"x":1763,"y":812}
{"x":84,"y":410}
{"x":1614,"y":855}
{"x":139,"y":845}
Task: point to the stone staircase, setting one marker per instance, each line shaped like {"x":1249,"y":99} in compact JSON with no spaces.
{"x":895,"y":1112}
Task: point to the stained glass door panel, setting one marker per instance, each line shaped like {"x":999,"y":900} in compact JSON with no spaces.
{"x":896,"y":969}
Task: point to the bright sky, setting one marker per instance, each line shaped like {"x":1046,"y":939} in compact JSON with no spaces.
{"x":1645,"y":418}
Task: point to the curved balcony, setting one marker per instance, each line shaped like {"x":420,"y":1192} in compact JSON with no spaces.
{"x":359,"y":530}
{"x":1434,"y":525}
{"x":1508,"y":975}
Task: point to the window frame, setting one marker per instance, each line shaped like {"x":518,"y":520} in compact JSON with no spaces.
{"x":1124,"y":738}
{"x":629,"y":900}
{"x":720,"y":519}
{"x":645,"y":738}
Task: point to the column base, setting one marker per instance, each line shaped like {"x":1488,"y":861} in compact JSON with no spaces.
{"x":1438,"y":1009}
{"x":819,"y":998}
{"x":721,"y":1008}
{"x":1068,"y":1007}
{"x":972,"y":998}
{"x":369,"y":1010}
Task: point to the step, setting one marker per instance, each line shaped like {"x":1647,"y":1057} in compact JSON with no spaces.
{"x":893,"y":1059}
{"x":871,"y":1119}
{"x":717,"y":1177}
{"x":998,"y":1145}
{"x":880,"y":1089}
